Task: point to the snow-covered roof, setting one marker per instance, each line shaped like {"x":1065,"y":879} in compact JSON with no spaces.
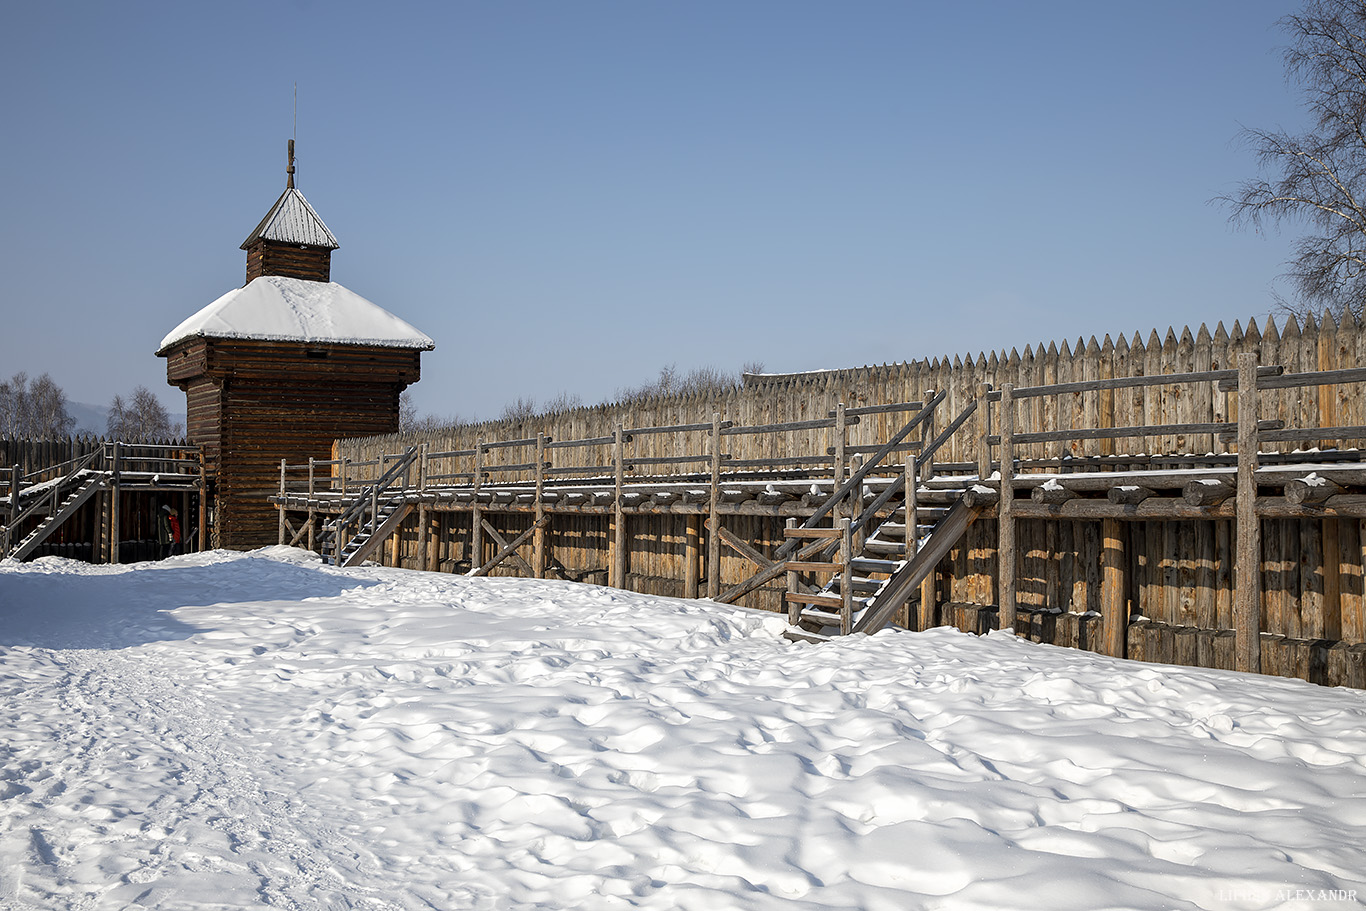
{"x":276,"y":308}
{"x":292,"y":221}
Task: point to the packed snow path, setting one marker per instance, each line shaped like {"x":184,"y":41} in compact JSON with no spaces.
{"x":241,"y":731}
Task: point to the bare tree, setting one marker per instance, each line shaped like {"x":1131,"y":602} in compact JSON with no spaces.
{"x":34,"y":409}
{"x":140,"y":417}
{"x":410,"y":420}
{"x":706,"y":380}
{"x":1319,"y":177}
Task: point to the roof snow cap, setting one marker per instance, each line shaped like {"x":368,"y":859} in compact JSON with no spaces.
{"x":277,"y":308}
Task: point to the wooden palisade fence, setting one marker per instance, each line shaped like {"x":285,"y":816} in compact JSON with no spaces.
{"x":1124,"y":531}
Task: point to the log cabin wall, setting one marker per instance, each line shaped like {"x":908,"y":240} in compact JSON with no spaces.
{"x":265,"y":257}
{"x":253,"y":403}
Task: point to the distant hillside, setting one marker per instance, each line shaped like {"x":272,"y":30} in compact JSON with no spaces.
{"x":93,"y":419}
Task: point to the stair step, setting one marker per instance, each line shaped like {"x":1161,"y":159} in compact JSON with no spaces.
{"x":824,"y":600}
{"x":884,"y":547}
{"x":891,"y":530}
{"x":816,"y":615}
{"x":796,"y":634}
{"x":874,"y":565}
{"x":862,"y":585}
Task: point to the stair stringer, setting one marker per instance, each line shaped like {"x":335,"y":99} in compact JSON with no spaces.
{"x":947,"y":533}
{"x":372,"y":543}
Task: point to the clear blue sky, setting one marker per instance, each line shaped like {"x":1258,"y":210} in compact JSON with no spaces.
{"x":569,"y":195}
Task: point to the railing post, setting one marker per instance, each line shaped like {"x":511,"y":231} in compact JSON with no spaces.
{"x":856,"y":497}
{"x":1247,"y":597}
{"x":841,"y":441}
{"x":794,"y":609}
{"x":618,"y":562}
{"x":714,"y":515}
{"x":1005,"y":550}
{"x":983,"y":431}
{"x":927,"y":437}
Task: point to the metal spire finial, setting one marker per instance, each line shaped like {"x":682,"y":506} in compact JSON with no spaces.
{"x":289,"y":171}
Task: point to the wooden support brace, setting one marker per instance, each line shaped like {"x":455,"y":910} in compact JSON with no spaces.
{"x":507,"y":549}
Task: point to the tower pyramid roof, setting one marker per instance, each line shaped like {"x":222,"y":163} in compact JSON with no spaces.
{"x":292,"y":221}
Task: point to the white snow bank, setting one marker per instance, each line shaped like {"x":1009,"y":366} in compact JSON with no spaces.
{"x":276,"y":308}
{"x":232,"y":731}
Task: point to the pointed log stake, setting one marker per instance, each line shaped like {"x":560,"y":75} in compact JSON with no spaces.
{"x":1313,"y":488}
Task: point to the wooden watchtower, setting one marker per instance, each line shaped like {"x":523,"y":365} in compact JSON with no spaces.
{"x":284,"y":365}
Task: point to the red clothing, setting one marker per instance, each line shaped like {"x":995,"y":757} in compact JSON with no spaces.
{"x":175,"y":529}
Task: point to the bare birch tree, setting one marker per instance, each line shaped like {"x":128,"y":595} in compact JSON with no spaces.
{"x":1318,"y":178}
{"x":35,"y":409}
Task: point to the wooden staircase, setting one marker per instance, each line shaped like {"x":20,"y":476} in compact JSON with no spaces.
{"x":374,"y":513}
{"x":59,"y":503}
{"x":875,"y":560}
{"x":867,"y":587}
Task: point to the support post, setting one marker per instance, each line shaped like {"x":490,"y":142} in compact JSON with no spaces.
{"x":1005,"y":550}
{"x":692,"y":556}
{"x":714,"y":504}
{"x":846,"y":559}
{"x":1247,"y":593}
{"x":477,"y":514}
{"x":281,"y":508}
{"x":618,"y":574}
{"x":794,"y":609}
{"x":1114,"y":608}
{"x":312,"y":513}
{"x":203,"y":502}
{"x":114,"y":491}
{"x":538,"y":561}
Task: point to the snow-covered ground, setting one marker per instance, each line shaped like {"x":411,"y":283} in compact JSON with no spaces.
{"x":237,"y":731}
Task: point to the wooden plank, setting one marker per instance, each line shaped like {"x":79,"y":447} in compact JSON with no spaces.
{"x":714,"y":517}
